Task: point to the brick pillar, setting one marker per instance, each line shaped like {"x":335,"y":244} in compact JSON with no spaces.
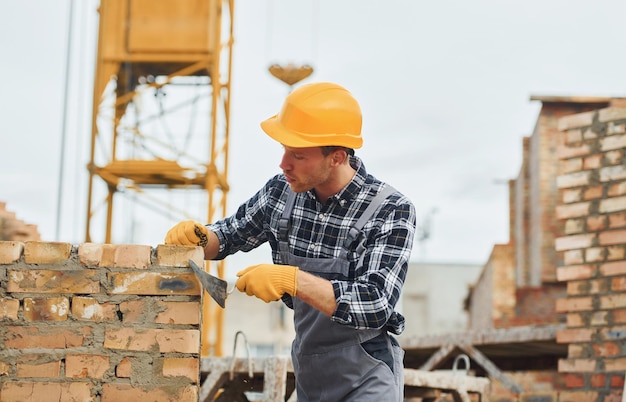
{"x":592,"y":245}
{"x":98,"y":322}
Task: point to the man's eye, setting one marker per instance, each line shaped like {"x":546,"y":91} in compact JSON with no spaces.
{"x":298,"y":157}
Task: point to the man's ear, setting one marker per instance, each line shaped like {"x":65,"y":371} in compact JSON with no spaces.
{"x":339,"y":156}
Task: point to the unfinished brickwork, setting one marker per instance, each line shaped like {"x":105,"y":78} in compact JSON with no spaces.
{"x":98,"y":322}
{"x":522,"y":273}
{"x":592,"y":247}
{"x":12,"y":228}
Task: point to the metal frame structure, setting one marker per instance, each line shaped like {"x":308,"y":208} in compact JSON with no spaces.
{"x":146,"y":48}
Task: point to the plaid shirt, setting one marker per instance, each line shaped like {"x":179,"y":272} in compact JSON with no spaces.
{"x":366,"y":298}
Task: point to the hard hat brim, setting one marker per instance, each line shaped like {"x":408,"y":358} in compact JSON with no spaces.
{"x":295,"y":139}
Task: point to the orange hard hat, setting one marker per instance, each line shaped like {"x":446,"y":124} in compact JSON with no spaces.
{"x":317,"y":114}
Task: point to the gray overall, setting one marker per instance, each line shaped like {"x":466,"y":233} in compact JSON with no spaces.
{"x":329,"y":360}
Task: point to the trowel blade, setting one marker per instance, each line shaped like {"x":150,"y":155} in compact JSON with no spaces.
{"x":215,"y":287}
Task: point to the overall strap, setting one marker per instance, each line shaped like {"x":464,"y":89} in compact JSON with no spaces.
{"x":283,"y":223}
{"x":354,"y":231}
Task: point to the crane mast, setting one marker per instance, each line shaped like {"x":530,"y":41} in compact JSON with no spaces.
{"x":151,"y":52}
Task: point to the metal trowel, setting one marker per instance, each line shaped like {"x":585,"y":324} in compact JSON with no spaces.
{"x":215,"y":287}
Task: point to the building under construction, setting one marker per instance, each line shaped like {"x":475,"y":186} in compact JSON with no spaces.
{"x":102,"y":321}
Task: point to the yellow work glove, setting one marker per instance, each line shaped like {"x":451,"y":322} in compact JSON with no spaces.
{"x":188,"y":233}
{"x":268,"y":282}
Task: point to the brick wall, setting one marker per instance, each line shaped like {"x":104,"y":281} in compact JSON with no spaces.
{"x":592,"y":247}
{"x":98,"y":322}
{"x":493,"y":295}
{"x":542,"y":188}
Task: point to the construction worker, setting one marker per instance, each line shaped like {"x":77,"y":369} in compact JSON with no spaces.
{"x":341,"y":242}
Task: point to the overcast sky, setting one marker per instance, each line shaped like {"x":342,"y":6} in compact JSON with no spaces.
{"x":444,"y":87}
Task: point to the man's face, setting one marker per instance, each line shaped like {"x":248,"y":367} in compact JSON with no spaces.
{"x":305,"y":168}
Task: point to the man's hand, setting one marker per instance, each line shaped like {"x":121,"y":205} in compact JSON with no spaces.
{"x":268,"y":282}
{"x":188,"y":233}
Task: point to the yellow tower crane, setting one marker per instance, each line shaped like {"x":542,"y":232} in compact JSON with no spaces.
{"x":148,"y":51}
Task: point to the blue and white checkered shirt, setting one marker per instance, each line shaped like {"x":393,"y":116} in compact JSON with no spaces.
{"x":366,"y":298}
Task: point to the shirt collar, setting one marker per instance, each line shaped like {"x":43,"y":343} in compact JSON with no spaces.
{"x":350,"y":191}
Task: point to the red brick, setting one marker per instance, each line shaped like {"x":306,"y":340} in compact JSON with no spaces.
{"x":178,"y":256}
{"x":50,"y":281}
{"x":599,"y":318}
{"x":153,"y":283}
{"x":125,"y":256}
{"x":578,"y":396}
{"x":577,"y":365}
{"x":614,"y":204}
{"x":88,"y":308}
{"x":9,"y":308}
{"x":593,"y":192}
{"x":613,"y":268}
{"x":27,"y":337}
{"x":574,"y":242}
{"x":617,"y":220}
{"x":164,"y":393}
{"x":574,"y":335}
{"x":617,"y":381}
{"x":577,"y":120}
{"x":47,"y":391}
{"x":86,"y":366}
{"x":134,"y":311}
{"x":618,"y":284}
{"x":606,"y":349}
{"x":124,"y":368}
{"x":592,"y":162}
{"x":182,"y":367}
{"x":567,"y":152}
{"x":613,"y":301}
{"x":572,"y":210}
{"x":571,"y":165}
{"x":575,"y":350}
{"x":90,"y":254}
{"x":616,"y":252}
{"x":574,"y":272}
{"x":37,"y":252}
{"x":597,"y":380}
{"x":618,"y":364}
{"x":4,"y":370}
{"x":574,"y":226}
{"x":33,"y":366}
{"x":10,"y":251}
{"x":573,"y":180}
{"x":613,"y":142}
{"x":614,"y":157}
{"x":575,"y":320}
{"x":596,"y":223}
{"x":585,"y":287}
{"x":612,"y":237}
{"x":574,"y":380}
{"x":619,"y":316}
{"x":571,"y":304}
{"x":165,"y":340}
{"x":594,"y":254}
{"x":179,"y":313}
{"x":617,"y":189}
{"x":573,"y":257}
{"x":48,"y":309}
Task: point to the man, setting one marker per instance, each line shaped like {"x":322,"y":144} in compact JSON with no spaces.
{"x":341,"y":242}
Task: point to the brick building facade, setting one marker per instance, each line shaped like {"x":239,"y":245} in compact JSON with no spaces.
{"x":565,"y":261}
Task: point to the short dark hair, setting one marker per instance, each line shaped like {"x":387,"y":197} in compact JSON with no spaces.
{"x":327,"y":150}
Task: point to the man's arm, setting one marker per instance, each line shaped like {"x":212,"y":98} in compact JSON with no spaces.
{"x":316,"y":292}
{"x":212,"y":247}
